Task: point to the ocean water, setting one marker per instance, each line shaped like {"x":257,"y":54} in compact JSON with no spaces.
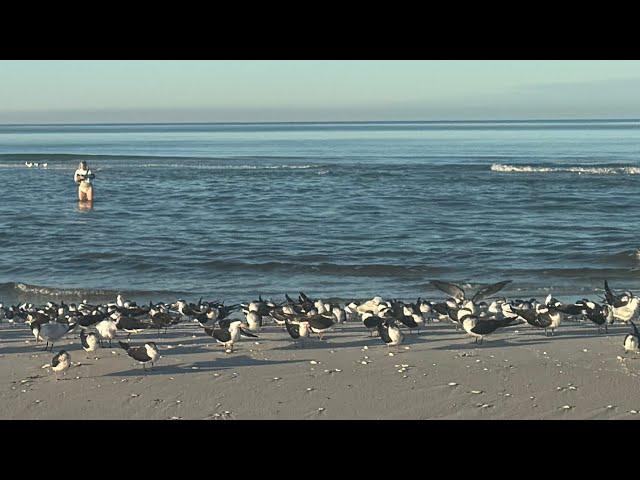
{"x":340,"y":210}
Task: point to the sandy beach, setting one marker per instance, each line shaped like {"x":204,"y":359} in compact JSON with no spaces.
{"x":439,"y":373}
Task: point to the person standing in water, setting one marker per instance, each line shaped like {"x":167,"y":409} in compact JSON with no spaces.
{"x":84,"y":178}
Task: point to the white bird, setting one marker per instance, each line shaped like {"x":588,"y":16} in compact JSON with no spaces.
{"x":107,"y":329}
{"x":89,"y":341}
{"x":632,"y":341}
{"x":52,"y":331}
{"x":254,"y":319}
{"x":61,"y":362}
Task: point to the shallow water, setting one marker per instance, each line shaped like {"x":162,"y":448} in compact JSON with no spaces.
{"x":340,"y":210}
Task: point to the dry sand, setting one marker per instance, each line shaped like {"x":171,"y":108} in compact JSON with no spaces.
{"x":517,"y":373}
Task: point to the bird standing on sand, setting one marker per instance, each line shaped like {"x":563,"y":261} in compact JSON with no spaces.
{"x":143,"y":353}
{"x":625,"y":307}
{"x":390,"y":333}
{"x":632,"y":341}
{"x":254,"y":319}
{"x":107,"y":329}
{"x":479,"y":328}
{"x":60,"y":362}
{"x":228,"y":333}
{"x":89,"y":341}
{"x":319,"y":324}
{"x":297,"y":330}
{"x":52,"y":331}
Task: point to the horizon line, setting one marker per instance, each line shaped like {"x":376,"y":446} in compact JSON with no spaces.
{"x":328,"y":122}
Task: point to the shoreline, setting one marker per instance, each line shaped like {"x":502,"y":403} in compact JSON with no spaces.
{"x":575,"y":374}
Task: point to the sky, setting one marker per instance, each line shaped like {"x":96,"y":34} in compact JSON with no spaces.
{"x":343,"y":90}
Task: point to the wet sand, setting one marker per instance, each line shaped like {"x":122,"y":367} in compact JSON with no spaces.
{"x":438,"y":373}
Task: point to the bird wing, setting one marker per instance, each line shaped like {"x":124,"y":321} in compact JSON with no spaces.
{"x":409,"y":322}
{"x":450,"y":288}
{"x":611,"y":297}
{"x":139,"y":353}
{"x":292,"y":329}
{"x":221,"y":334}
{"x":384,"y":333}
{"x":245,"y":333}
{"x":83,"y":339}
{"x":441,"y":308}
{"x":529,"y":315}
{"x":489,"y":290}
{"x":373,"y":322}
{"x":320,"y":322}
{"x":574,"y":309}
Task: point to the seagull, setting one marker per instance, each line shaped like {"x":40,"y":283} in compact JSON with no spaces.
{"x":61,"y":362}
{"x":143,"y":353}
{"x":52,"y":331}
{"x":107,"y":329}
{"x":254,"y":319}
{"x":89,"y":341}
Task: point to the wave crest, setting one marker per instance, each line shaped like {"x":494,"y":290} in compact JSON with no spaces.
{"x":618,"y":170}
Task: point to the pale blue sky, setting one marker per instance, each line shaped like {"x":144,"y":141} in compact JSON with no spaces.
{"x":164,"y":91}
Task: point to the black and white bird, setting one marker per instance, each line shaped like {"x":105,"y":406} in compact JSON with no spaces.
{"x":297,"y":330}
{"x":254,"y":319}
{"x":319,"y":324}
{"x":625,"y":306}
{"x":479,"y":328}
{"x":632,"y":340}
{"x":143,"y":353}
{"x":228,"y":333}
{"x":60,"y":362}
{"x":601,"y":315}
{"x":89,"y":341}
{"x":459,"y":294}
{"x":390,"y":333}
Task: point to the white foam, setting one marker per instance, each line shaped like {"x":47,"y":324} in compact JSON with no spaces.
{"x":499,"y":167}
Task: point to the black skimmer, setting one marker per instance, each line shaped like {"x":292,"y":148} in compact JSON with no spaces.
{"x":632,"y":341}
{"x":143,"y":353}
{"x":480,"y":328}
{"x":228,"y":333}
{"x":625,"y":306}
{"x":390,"y":333}
{"x":459,"y":295}
{"x":598,"y":314}
{"x":297,"y":330}
{"x":319,"y":324}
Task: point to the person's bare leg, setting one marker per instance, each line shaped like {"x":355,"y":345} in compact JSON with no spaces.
{"x":81,"y":195}
{"x":89,"y":194}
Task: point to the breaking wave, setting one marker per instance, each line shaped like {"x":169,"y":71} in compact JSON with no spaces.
{"x":609,"y":170}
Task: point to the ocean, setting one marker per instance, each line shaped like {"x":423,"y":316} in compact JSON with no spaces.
{"x":337,"y":210}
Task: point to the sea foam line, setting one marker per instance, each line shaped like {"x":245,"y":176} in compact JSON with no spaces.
{"x":499,"y":167}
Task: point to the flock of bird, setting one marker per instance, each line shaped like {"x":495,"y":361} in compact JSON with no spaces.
{"x":304,"y":316}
